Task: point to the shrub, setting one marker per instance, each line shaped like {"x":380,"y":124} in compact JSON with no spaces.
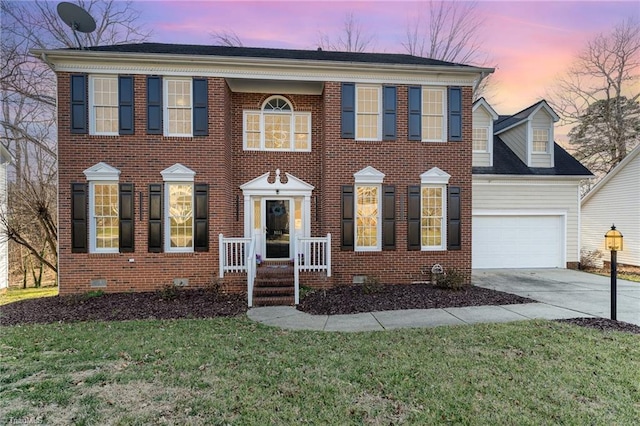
{"x":453,"y":279}
{"x":371,"y":285}
{"x":590,"y":259}
{"x":169,"y":292}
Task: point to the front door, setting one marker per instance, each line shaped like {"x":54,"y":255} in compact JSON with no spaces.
{"x":277,"y":236}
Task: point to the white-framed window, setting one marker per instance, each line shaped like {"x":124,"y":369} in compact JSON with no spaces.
{"x":540,"y":141}
{"x":433,"y":209}
{"x":178,"y":209}
{"x":103,"y":101}
{"x":104,"y":215}
{"x":434,"y":114}
{"x":178,"y":101}
{"x":368,"y":112}
{"x":276,"y":127}
{"x":368,"y":209}
{"x":432,"y":217}
{"x":480,"y":139}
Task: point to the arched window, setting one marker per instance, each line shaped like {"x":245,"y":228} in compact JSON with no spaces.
{"x":276,"y":127}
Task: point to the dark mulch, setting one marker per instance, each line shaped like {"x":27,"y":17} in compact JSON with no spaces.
{"x":209,"y":304}
{"x":355,"y":299}
{"x":123,"y":306}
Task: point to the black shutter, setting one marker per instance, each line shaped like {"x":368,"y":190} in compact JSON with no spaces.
{"x":413,"y":219}
{"x":201,"y":209}
{"x":455,"y":114}
{"x":347,"y":224}
{"x":155,"y":218}
{"x":389,"y":110}
{"x":154,"y":105}
{"x":388,"y":217}
{"x":125,"y":219}
{"x":200,"y":107}
{"x":79,"y":103}
{"x":454,"y":231}
{"x":125,"y":105}
{"x":78,"y":218}
{"x":415,"y":113}
{"x":348,"y":108}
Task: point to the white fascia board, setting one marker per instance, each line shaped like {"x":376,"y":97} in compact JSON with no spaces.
{"x":629,"y":158}
{"x":257,"y":68}
{"x":506,"y":179}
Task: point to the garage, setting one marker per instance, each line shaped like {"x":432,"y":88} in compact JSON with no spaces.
{"x":518,"y":241}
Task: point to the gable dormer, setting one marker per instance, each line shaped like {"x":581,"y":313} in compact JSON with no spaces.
{"x":529,"y":134}
{"x":483,"y":118}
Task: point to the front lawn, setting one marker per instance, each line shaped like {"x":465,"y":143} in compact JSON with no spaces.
{"x":15,"y":294}
{"x":233,"y":371}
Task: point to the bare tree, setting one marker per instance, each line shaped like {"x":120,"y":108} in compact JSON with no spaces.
{"x":227,"y":38}
{"x":352,"y":38}
{"x":600,"y":92}
{"x":28,"y":120}
{"x":447,"y":31}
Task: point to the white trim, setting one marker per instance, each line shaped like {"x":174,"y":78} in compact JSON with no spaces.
{"x":378,"y":246}
{"x":435,"y":176}
{"x":92,"y":220}
{"x":445,"y":124}
{"x":529,"y":117}
{"x":91,"y":106}
{"x":617,"y":169}
{"x":488,"y":140}
{"x":178,"y":173}
{"x":102,"y":172}
{"x":485,"y":179}
{"x":165,"y":105}
{"x":482,"y":102}
{"x":548,"y":146}
{"x":368,"y":175}
{"x":379,"y":114}
{"x":258,"y":68}
{"x":167,"y":219}
{"x":443,"y":223}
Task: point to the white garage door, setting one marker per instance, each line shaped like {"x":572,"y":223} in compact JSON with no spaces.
{"x":518,"y":242}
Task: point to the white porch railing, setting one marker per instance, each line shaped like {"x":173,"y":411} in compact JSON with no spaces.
{"x":239,"y":255}
{"x":311,"y":254}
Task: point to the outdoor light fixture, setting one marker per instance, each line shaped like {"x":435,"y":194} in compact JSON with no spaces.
{"x":613,"y":243}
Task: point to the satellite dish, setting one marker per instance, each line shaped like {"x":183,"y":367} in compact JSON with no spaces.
{"x":76,"y":18}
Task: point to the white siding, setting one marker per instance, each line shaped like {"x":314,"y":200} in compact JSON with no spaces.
{"x":529,"y":196}
{"x":542,"y":120}
{"x":482,"y":118}
{"x":616,"y":202}
{"x":4,"y":245}
{"x":516,"y":139}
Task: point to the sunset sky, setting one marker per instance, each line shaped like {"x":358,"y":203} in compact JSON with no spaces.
{"x":528,"y":42}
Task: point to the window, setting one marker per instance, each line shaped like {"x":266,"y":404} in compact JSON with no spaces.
{"x":178,"y":111}
{"x":103,"y":98}
{"x":432,"y":217}
{"x":368,"y":113}
{"x":104,"y":217}
{"x":179,"y":216}
{"x":480,"y":139}
{"x":540,"y":140}
{"x":276,"y":127}
{"x":367,"y":217}
{"x":433,"y":114}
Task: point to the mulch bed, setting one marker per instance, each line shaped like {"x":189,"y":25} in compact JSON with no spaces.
{"x":209,"y":304}
{"x":123,"y":306}
{"x":386,"y":297}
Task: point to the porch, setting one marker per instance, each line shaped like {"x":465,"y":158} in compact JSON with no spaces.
{"x":274,"y":282}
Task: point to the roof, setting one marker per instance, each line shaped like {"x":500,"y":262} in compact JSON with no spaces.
{"x":506,"y":162}
{"x":629,"y":158}
{"x":265,"y":53}
{"x":505,"y":122}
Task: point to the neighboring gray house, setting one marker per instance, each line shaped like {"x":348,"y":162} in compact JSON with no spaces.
{"x":615,"y":200}
{"x":526,"y":197}
{"x":5,"y":158}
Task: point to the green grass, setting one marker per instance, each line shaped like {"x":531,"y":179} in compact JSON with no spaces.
{"x":15,"y":294}
{"x":233,"y":371}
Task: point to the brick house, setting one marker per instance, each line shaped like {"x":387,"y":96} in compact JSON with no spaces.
{"x":181,"y":164}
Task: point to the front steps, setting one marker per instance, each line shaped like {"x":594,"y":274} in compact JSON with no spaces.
{"x":274,"y":284}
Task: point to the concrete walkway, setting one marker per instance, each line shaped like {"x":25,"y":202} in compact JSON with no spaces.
{"x":560,"y":294}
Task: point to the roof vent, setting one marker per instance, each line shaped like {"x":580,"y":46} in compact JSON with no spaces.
{"x":319,"y":49}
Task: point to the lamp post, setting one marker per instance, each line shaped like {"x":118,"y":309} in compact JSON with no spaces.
{"x":613,"y":242}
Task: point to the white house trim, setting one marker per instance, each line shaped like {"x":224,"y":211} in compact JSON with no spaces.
{"x":629,"y":158}
{"x":102,"y":172}
{"x":178,"y":173}
{"x":435,"y":176}
{"x":368,"y":175}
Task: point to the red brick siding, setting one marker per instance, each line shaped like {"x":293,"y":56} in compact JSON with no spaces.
{"x":219,"y":160}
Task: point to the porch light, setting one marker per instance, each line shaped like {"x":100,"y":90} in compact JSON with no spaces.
{"x":613,"y":243}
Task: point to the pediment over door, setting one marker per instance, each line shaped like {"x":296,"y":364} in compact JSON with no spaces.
{"x":262,"y":185}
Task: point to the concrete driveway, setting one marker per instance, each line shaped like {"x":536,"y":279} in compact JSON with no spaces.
{"x":582,"y":292}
